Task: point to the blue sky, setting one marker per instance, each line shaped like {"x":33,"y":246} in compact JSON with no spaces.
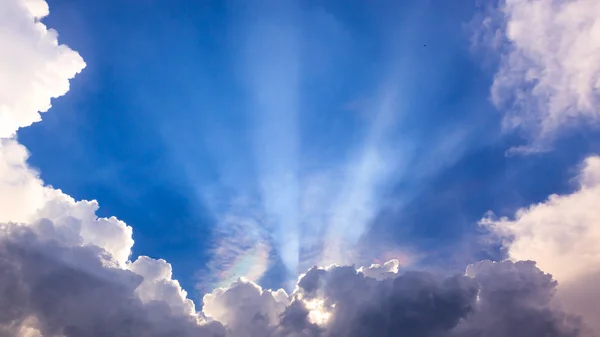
{"x":367,"y":125}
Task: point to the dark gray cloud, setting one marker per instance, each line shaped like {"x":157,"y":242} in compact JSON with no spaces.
{"x":412,"y":304}
{"x":495,"y":299}
{"x":516,"y":299}
{"x":75,"y":290}
{"x":72,"y":291}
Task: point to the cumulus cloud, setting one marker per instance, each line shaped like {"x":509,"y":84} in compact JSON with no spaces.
{"x":25,"y":199}
{"x":34,"y":67}
{"x":562,"y":235}
{"x":246,"y":309}
{"x":21,"y":190}
{"x":158,"y":285}
{"x":549,"y":75}
{"x":62,"y":290}
{"x":65,"y":271}
{"x":54,"y":288}
{"x":493,"y":299}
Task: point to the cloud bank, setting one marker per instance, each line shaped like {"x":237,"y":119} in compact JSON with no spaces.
{"x":493,"y":299}
{"x":549,"y":76}
{"x":66,"y":272}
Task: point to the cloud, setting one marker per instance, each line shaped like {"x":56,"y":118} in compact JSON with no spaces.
{"x":25,"y":199}
{"x":549,"y":76}
{"x":562,"y":235}
{"x":65,"y":271}
{"x":65,"y":290}
{"x":381,"y":271}
{"x":493,"y":299}
{"x":246,"y":309}
{"x":515,"y":299}
{"x":34,"y":69}
{"x":157,"y":285}
{"x":57,"y":288}
{"x":22,"y":192}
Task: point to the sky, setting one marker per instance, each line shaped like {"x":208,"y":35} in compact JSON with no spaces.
{"x":299,"y":168}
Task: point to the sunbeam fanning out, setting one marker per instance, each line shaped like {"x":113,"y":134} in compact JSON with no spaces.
{"x":273,"y":77}
{"x":308,"y":168}
{"x":357,"y":201}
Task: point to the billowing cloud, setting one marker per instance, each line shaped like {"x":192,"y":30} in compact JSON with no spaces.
{"x":246,"y":309}
{"x":25,"y":199}
{"x":22,"y":192}
{"x":562,"y":235}
{"x":549,"y":75}
{"x":72,"y":290}
{"x":549,"y":79}
{"x":59,"y":288}
{"x":493,"y":299}
{"x":34,"y":67}
{"x":158,"y":285}
{"x":65,"y":271}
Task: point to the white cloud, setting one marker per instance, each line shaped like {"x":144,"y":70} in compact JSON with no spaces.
{"x":158,"y":285}
{"x":21,"y":191}
{"x":381,"y":271}
{"x":34,"y":67}
{"x":245,"y":308}
{"x":549,"y":75}
{"x":561,"y":234}
{"x":25,"y":199}
{"x":58,"y":230}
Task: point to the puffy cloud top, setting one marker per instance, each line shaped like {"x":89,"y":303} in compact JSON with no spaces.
{"x":70,"y":291}
{"x":34,"y":67}
{"x":493,"y":299}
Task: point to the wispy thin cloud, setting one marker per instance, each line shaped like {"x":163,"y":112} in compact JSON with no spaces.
{"x":548,"y":77}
